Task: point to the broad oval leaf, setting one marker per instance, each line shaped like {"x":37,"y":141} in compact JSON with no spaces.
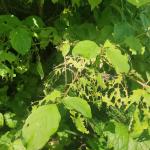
{"x":118,"y":60}
{"x":122,"y":30}
{"x":40,"y":125}
{"x":78,"y":104}
{"x":11,"y":20}
{"x":21,"y":40}
{"x":87,"y":49}
{"x":8,"y":22}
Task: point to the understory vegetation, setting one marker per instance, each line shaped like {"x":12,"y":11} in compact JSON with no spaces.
{"x":75,"y":75}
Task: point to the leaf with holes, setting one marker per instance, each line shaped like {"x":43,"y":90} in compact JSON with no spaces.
{"x":116,"y":58}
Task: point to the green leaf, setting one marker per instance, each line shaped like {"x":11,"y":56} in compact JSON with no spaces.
{"x":47,"y":35}
{"x":40,"y":125}
{"x":94,"y":3}
{"x":10,"y":19}
{"x":54,"y":1}
{"x":18,"y":145}
{"x":1,"y":120}
{"x":10,"y":57}
{"x":139,"y":3}
{"x":39,"y":68}
{"x":105,"y":33}
{"x":21,"y":40}
{"x":79,"y":105}
{"x":100,"y":81}
{"x":79,"y":122}
{"x":10,"y":120}
{"x":65,"y":48}
{"x":118,"y":60}
{"x":137,"y":95}
{"x":134,"y":45}
{"x":120,"y":138}
{"x":33,"y":22}
{"x":52,"y":96}
{"x":85,"y":31}
{"x":8,"y":22}
{"x":138,"y":145}
{"x":4,"y":70}
{"x":138,"y":126}
{"x":76,"y":2}
{"x":87,"y":49}
{"x":122,"y":30}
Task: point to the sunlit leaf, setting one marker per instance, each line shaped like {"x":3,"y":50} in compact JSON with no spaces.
{"x":139,"y":3}
{"x":41,"y":124}
{"x":87,"y":49}
{"x":78,"y":104}
{"x":116,"y":58}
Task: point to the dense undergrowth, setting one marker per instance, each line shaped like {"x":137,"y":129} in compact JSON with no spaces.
{"x":75,"y":75}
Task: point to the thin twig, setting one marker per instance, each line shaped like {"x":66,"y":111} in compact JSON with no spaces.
{"x":76,"y":75}
{"x":141,"y":83}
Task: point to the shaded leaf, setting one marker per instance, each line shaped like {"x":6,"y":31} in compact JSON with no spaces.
{"x":33,"y":22}
{"x":94,"y":3}
{"x":54,"y":1}
{"x":8,"y":23}
{"x":122,"y":30}
{"x":21,"y":40}
{"x":134,"y":45}
{"x":10,"y":57}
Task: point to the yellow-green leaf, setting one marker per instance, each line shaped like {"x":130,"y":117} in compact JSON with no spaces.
{"x":41,"y":124}
{"x":116,"y":58}
{"x":78,"y":104}
{"x":87,"y":49}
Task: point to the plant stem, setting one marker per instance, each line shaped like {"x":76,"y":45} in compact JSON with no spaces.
{"x":75,"y":77}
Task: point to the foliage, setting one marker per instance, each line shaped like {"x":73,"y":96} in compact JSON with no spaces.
{"x":75,"y":75}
